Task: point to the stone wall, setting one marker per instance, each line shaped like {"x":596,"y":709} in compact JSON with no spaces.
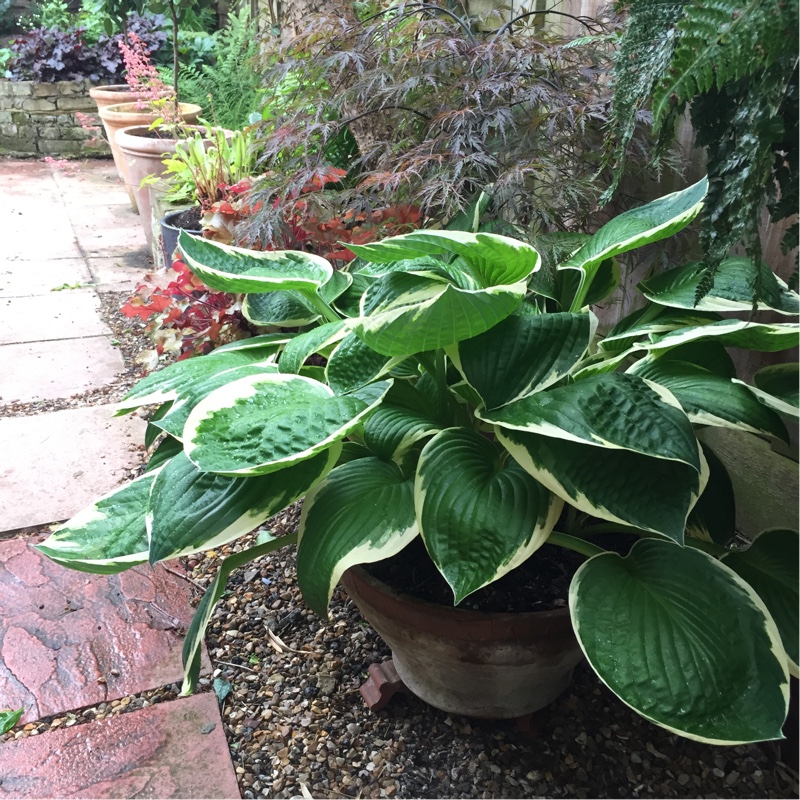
{"x":38,"y":119}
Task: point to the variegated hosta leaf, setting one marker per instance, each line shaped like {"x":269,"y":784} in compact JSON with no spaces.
{"x":303,"y":345}
{"x":362,"y":512}
{"x":777,"y":388}
{"x":713,"y":518}
{"x":609,"y":411}
{"x":168,"y":447}
{"x":276,"y":340}
{"x":348,"y":303}
{"x":480,"y":515}
{"x":108,"y":536}
{"x":285,"y":309}
{"x":769,"y":565}
{"x":403,"y":314}
{"x":653,"y":320}
{"x":709,"y":354}
{"x":734,"y":280}
{"x":174,"y":421}
{"x":653,"y":494}
{"x":193,"y":643}
{"x":404,"y":418}
{"x":684,"y":641}
{"x":338,"y":283}
{"x":152,"y":432}
{"x":353,"y":364}
{"x":733,"y":333}
{"x":234,"y":269}
{"x":639,"y":226}
{"x":264,"y":423}
{"x":709,"y":399}
{"x":523,"y":354}
{"x":192,"y":511}
{"x":491,"y":259}
{"x":170,"y":382}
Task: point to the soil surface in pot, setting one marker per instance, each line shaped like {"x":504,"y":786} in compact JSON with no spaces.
{"x":540,"y":584}
{"x":188,"y":220}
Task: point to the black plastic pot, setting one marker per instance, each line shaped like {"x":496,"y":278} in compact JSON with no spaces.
{"x":170,"y":232}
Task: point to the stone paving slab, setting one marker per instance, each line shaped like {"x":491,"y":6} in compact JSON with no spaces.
{"x":110,"y":239}
{"x":41,"y":276}
{"x":52,"y":465}
{"x":72,"y":639}
{"x":49,"y":370}
{"x":91,"y":183}
{"x":169,"y":750}
{"x":56,"y":315}
{"x":122,"y":273}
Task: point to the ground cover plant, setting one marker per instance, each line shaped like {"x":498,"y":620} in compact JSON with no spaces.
{"x":465,"y":399}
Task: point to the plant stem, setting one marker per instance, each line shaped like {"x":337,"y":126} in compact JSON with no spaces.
{"x":321,"y":307}
{"x":573,"y":543}
{"x":711,"y":548}
{"x":173,"y":12}
{"x":441,"y":383}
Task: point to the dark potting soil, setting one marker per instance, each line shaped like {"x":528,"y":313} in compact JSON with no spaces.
{"x":540,"y":584}
{"x":188,"y":220}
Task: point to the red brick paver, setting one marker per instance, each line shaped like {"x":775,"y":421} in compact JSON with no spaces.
{"x":71,"y":639}
{"x":170,"y":750}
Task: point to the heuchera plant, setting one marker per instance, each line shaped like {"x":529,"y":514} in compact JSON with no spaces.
{"x":465,"y":399}
{"x":185,"y":316}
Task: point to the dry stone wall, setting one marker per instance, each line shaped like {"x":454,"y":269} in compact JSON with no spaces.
{"x":38,"y":119}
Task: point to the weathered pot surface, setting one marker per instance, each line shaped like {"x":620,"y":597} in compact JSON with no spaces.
{"x":491,"y":665}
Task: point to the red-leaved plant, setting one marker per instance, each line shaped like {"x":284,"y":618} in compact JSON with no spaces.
{"x":185,"y":316}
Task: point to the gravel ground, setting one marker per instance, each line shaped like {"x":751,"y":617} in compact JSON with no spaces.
{"x":296,"y":724}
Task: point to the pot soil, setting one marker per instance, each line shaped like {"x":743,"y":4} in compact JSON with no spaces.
{"x":173,"y":223}
{"x":123,"y":114}
{"x":491,"y":664}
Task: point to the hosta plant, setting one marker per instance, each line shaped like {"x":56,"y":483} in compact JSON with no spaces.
{"x":465,"y":399}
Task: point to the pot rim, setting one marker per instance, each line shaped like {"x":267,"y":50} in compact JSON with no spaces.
{"x":117,"y":111}
{"x":376,"y":587}
{"x":175,"y":213}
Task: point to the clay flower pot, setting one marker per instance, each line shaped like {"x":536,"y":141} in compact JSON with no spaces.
{"x":125,"y":114}
{"x":496,"y":666}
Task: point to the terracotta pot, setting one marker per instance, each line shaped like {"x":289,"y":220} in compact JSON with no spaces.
{"x":125,"y":114}
{"x":143,"y":156}
{"x":495,"y":666}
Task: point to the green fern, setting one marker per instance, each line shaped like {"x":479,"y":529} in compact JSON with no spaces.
{"x":735,"y":62}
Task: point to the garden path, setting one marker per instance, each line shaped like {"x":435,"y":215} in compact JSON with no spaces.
{"x":77,"y":647}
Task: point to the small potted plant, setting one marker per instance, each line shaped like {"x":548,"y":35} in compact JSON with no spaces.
{"x":466,"y":402}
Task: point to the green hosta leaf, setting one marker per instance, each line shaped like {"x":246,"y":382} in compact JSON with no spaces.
{"x":734,"y":282}
{"x":684,"y":641}
{"x":190,"y":395}
{"x":263,"y":423}
{"x":274,"y":340}
{"x":152,"y":432}
{"x":170,"y":382}
{"x":337,"y":285}
{"x":653,"y":494}
{"x":639,"y":226}
{"x":8,"y":719}
{"x":167,"y":448}
{"x":353,"y":365}
{"x":285,"y":309}
{"x":710,"y":355}
{"x":769,"y":565}
{"x":348,"y":303}
{"x":733,"y":333}
{"x":404,"y":418}
{"x":192,"y":511}
{"x":192,"y":644}
{"x":108,"y":536}
{"x":653,"y":320}
{"x":361,"y":512}
{"x":480,"y":514}
{"x":492,"y":259}
{"x":523,"y":354}
{"x":777,"y":388}
{"x":403,"y":314}
{"x":306,"y":344}
{"x":609,"y":411}
{"x":236,"y":270}
{"x":709,"y":399}
{"x":713,"y":519}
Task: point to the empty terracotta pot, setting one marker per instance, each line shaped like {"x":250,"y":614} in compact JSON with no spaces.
{"x":489,"y":665}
